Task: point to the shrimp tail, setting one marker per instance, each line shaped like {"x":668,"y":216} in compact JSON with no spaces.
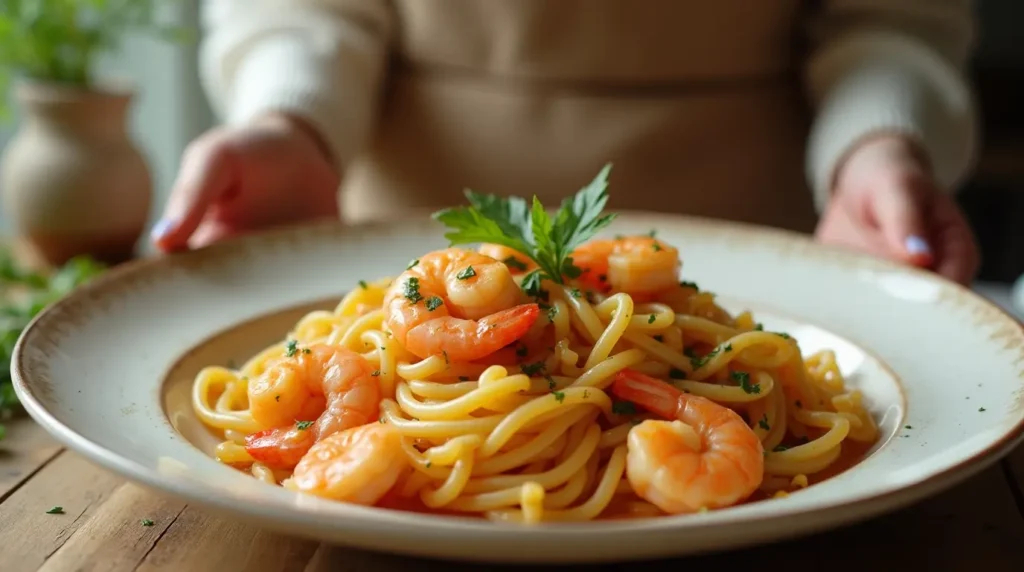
{"x":509,"y":325}
{"x":280,"y":448}
{"x":652,"y":394}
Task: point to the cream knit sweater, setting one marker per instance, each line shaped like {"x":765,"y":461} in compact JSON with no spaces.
{"x":868,"y":65}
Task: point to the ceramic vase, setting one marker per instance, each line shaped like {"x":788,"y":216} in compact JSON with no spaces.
{"x":72,"y":180}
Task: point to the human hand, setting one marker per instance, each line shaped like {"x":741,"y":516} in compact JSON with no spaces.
{"x":886,"y":203}
{"x":239,"y":179}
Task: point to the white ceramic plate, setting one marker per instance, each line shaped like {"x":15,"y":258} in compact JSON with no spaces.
{"x":107,"y":372}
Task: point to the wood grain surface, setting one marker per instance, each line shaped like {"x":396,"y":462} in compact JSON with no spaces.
{"x":109,"y":524}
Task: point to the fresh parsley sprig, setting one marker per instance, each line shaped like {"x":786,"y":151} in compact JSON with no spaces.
{"x":528,"y":228}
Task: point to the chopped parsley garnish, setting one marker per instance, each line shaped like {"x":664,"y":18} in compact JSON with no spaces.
{"x":529,"y":229}
{"x":981,"y":409}
{"x":551,"y":382}
{"x":412,"y":263}
{"x":434,"y":303}
{"x":651,"y":318}
{"x":147,"y":522}
{"x":445,"y":355}
{"x":759,"y":327}
{"x":291,"y":348}
{"x":763,"y":423}
{"x":362,"y":284}
{"x":559,"y":396}
{"x":277,"y":398}
{"x":466,"y":274}
{"x":698,"y":362}
{"x":743,"y":379}
{"x":687,"y":284}
{"x":728,"y":347}
{"x":676,"y":373}
{"x":56,"y":510}
{"x":412,"y":290}
{"x":307,"y":351}
{"x":376,"y":373}
{"x":603,"y":277}
{"x":652,"y":233}
{"x":303,"y":425}
{"x":575,"y":293}
{"x":780,"y":448}
{"x":429,"y":464}
{"x":552,"y":312}
{"x":586,"y":393}
{"x":532,"y":369}
{"x":783,"y":335}
{"x":908,"y":427}
{"x":656,"y":247}
{"x":624,"y":408}
{"x":521,"y":351}
{"x":515,"y":263}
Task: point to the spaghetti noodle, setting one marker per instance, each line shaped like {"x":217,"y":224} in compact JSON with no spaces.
{"x":537,"y":431}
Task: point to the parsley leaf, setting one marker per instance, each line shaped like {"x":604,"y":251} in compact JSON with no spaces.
{"x":466,"y":274}
{"x":303,"y":425}
{"x":412,"y":290}
{"x":434,"y":303}
{"x":514,"y":263}
{"x":147,"y":522}
{"x":743,"y":379}
{"x":56,"y":510}
{"x":529,"y":229}
{"x":559,"y":396}
{"x":291,"y":348}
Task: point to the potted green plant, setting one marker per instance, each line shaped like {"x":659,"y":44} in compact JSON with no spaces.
{"x":72,"y":180}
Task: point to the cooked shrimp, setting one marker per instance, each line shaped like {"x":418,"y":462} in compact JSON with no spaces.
{"x":458,"y":303}
{"x":705,"y":457}
{"x":329,"y":384}
{"x":517,"y":262}
{"x":358,"y":465}
{"x":634,"y":265}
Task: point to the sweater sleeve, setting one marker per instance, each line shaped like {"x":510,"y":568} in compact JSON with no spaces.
{"x":884,"y":66}
{"x":322,"y":60}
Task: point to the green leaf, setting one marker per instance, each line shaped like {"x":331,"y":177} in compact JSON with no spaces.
{"x":547,"y":241}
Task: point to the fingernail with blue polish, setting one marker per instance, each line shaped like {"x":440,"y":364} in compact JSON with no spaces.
{"x":917,"y":245}
{"x":162,"y":227}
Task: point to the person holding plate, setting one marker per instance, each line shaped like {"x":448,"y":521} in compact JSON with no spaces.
{"x":849,"y":119}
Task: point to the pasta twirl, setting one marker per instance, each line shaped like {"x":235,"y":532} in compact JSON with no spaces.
{"x":519,"y":389}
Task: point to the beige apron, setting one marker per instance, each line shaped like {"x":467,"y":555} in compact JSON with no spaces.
{"x":534,"y":96}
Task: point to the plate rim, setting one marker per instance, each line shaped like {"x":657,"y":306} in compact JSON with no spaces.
{"x":873,"y":504}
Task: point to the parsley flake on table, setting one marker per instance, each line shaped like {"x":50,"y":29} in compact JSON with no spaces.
{"x":528,"y":228}
{"x":56,"y":510}
{"x":147,"y":522}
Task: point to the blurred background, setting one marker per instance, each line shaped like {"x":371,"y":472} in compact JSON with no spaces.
{"x":170,"y":109}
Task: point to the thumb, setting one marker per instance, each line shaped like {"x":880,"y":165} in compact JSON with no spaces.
{"x":207,"y":173}
{"x":899,"y":209}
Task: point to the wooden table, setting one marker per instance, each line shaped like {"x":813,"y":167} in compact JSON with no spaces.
{"x":109,"y":524}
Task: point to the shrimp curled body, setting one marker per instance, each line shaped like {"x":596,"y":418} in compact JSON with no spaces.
{"x":358,"y":465}
{"x":329,"y":384}
{"x":459,"y":303}
{"x":640,"y":266}
{"x":704,"y":457}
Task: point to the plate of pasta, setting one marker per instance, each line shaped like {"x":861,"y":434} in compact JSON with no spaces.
{"x":505,"y":382}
